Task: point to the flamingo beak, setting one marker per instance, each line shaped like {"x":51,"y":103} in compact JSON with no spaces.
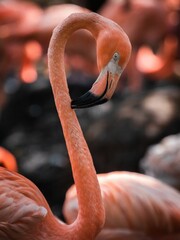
{"x":103,"y":88}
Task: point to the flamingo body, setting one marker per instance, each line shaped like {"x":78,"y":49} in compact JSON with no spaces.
{"x":135,"y":204}
{"x":22,"y":206}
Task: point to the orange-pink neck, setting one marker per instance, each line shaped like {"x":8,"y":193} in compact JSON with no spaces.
{"x":91,"y":212}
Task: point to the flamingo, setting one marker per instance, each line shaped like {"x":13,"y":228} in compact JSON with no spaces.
{"x":19,"y":53}
{"x":136,"y":207}
{"x":162,"y":160}
{"x":25,"y":31}
{"x":158,"y":66}
{"x":18,"y":18}
{"x":7,"y":160}
{"x":24,"y":212}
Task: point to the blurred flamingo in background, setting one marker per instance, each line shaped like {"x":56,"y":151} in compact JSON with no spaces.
{"x":161,"y":65}
{"x":8,"y":160}
{"x":131,"y":201}
{"x":18,"y":18}
{"x":164,"y":62}
{"x":154,"y":36}
{"x":18,"y":21}
{"x":24,"y":211}
{"x":24,"y":48}
{"x":162,"y":161}
{"x":149,"y":26}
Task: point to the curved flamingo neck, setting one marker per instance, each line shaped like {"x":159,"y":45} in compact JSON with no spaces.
{"x":91,"y":211}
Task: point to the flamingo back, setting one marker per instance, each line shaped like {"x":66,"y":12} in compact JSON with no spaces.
{"x":135,"y":202}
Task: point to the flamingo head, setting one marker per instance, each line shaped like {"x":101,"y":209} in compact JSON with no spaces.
{"x":113,"y":52}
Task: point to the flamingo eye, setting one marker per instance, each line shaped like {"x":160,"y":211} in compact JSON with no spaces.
{"x":116,"y":56}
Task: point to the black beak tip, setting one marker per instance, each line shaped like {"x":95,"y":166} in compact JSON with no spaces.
{"x":87,"y":100}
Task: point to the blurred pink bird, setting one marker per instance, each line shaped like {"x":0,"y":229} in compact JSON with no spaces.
{"x":136,"y":207}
